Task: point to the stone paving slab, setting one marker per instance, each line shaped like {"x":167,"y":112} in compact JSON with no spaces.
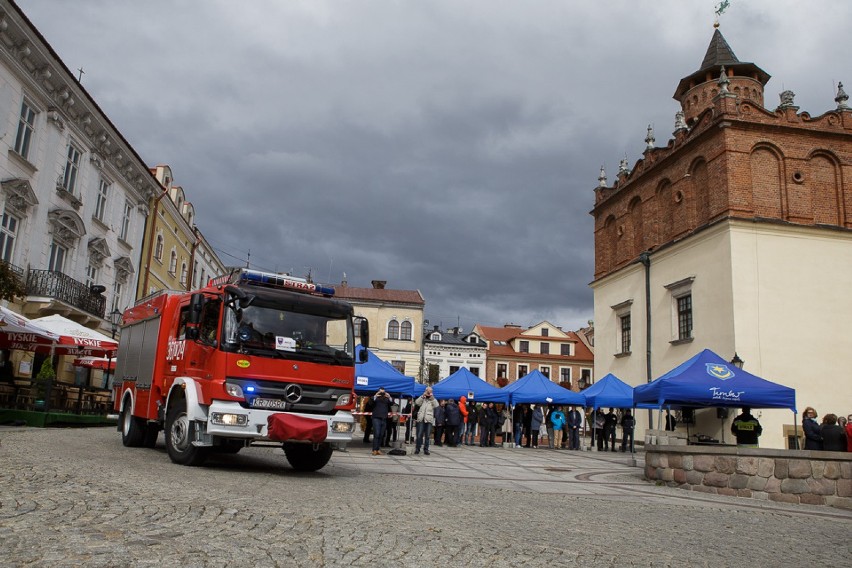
{"x":79,"y":498}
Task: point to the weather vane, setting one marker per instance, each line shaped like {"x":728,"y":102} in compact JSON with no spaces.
{"x":720,"y":9}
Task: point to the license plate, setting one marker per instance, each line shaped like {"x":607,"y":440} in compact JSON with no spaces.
{"x":270,"y":403}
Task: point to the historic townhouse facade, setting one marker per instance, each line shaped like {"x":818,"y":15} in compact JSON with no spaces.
{"x":74,"y":192}
{"x":175,"y":254}
{"x":514,"y":352}
{"x":396,"y":322}
{"x":736,"y":236}
{"x":445,"y":352}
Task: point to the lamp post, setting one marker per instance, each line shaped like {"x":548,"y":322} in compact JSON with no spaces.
{"x":114,"y":320}
{"x":423,"y":378}
{"x":737,"y":362}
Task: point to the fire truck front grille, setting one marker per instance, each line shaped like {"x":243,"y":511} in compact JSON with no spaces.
{"x":292,"y":397}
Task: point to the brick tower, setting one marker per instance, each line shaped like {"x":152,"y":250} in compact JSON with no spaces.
{"x":736,"y":236}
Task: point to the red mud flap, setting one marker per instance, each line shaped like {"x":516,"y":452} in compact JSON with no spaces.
{"x":283,"y":427}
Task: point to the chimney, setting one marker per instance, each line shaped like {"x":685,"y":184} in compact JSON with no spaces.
{"x":379,"y":284}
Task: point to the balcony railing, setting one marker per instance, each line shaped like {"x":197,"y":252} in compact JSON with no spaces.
{"x":62,"y":287}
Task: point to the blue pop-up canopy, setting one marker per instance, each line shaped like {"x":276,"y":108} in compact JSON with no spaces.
{"x":537,"y":388}
{"x":708,"y":380}
{"x":609,"y":391}
{"x":375,"y":374}
{"x":464,"y":383}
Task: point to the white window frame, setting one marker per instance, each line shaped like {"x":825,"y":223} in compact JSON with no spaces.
{"x":116,"y":295}
{"x":101,"y":201}
{"x":73,"y":157}
{"x":621,"y":310}
{"x":92,"y":273}
{"x":58,"y":257}
{"x":395,"y":335}
{"x":678,"y":290}
{"x":26,"y":129}
{"x":570,"y":375}
{"x":9,"y":236}
{"x":125,"y":221}
{"x":173,"y":263}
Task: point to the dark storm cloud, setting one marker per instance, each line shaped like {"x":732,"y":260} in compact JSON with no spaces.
{"x":447,"y":146}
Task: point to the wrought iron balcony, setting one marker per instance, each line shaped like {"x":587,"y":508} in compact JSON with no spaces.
{"x":62,"y":287}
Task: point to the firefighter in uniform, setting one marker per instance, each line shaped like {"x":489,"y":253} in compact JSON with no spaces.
{"x":746,"y":428}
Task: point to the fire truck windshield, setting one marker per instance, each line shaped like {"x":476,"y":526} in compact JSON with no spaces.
{"x":274,"y":332}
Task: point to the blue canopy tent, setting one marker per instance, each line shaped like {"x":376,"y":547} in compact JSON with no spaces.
{"x":464,"y":383}
{"x":707,"y":380}
{"x":538,"y":389}
{"x":375,"y":374}
{"x":609,"y":391}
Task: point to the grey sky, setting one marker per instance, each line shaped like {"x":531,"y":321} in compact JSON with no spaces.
{"x":447,"y":146}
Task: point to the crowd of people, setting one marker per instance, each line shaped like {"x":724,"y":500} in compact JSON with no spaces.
{"x":834,"y":434}
{"x":466,"y":423}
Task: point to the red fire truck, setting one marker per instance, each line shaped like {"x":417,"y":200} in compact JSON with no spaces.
{"x":254,"y":358}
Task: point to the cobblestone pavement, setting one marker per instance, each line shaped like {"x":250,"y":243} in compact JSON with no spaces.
{"x":77,"y":497}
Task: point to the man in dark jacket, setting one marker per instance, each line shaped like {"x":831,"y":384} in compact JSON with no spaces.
{"x":381,"y":410}
{"x":518,"y":423}
{"x":610,"y":424}
{"x":440,"y":419}
{"x":574,"y":421}
{"x":628,"y":423}
{"x":453,"y":420}
{"x":746,"y":429}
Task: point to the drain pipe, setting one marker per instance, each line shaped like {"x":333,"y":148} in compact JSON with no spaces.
{"x":645,"y":259}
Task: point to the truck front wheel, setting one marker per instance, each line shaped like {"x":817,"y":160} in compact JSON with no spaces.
{"x":306,"y":457}
{"x":179,"y":437}
{"x":132,"y":428}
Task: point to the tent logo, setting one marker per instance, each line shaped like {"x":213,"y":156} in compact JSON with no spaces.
{"x":721,"y":372}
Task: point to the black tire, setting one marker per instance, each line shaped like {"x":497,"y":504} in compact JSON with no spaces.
{"x":179,"y":437}
{"x":303,"y":457}
{"x":132,"y":428}
{"x":152,"y":432}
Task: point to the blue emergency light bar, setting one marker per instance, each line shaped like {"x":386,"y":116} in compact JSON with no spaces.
{"x":259,"y":278}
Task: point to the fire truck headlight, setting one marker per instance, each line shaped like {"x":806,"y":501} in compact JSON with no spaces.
{"x":344,"y":399}
{"x":233,"y":390}
{"x":225,"y":419}
{"x":342,"y":427}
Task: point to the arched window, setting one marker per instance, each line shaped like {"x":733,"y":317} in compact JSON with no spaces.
{"x":158,"y":251}
{"x":183,"y":273}
{"x":405,"y":331}
{"x":173,"y":263}
{"x":393,"y":329}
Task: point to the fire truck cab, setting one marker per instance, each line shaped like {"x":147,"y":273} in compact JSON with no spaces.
{"x":254,"y":358}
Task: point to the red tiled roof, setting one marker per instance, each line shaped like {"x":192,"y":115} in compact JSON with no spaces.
{"x":507,"y":334}
{"x":379,"y":295}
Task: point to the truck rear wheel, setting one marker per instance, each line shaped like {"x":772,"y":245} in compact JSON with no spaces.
{"x":179,"y":437}
{"x":305,"y":457}
{"x":132,"y":428}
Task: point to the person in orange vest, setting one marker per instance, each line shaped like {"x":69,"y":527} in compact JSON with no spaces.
{"x":466,"y":425}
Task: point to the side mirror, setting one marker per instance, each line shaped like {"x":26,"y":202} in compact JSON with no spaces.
{"x":365,"y":333}
{"x":196,"y":304}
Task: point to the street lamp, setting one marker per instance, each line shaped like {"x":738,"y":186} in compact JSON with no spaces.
{"x":423,"y":379}
{"x":114,"y":320}
{"x":737,"y":362}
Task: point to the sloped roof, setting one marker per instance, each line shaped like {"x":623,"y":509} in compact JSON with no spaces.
{"x":507,"y":334}
{"x":379,"y":295}
{"x":719,"y":54}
